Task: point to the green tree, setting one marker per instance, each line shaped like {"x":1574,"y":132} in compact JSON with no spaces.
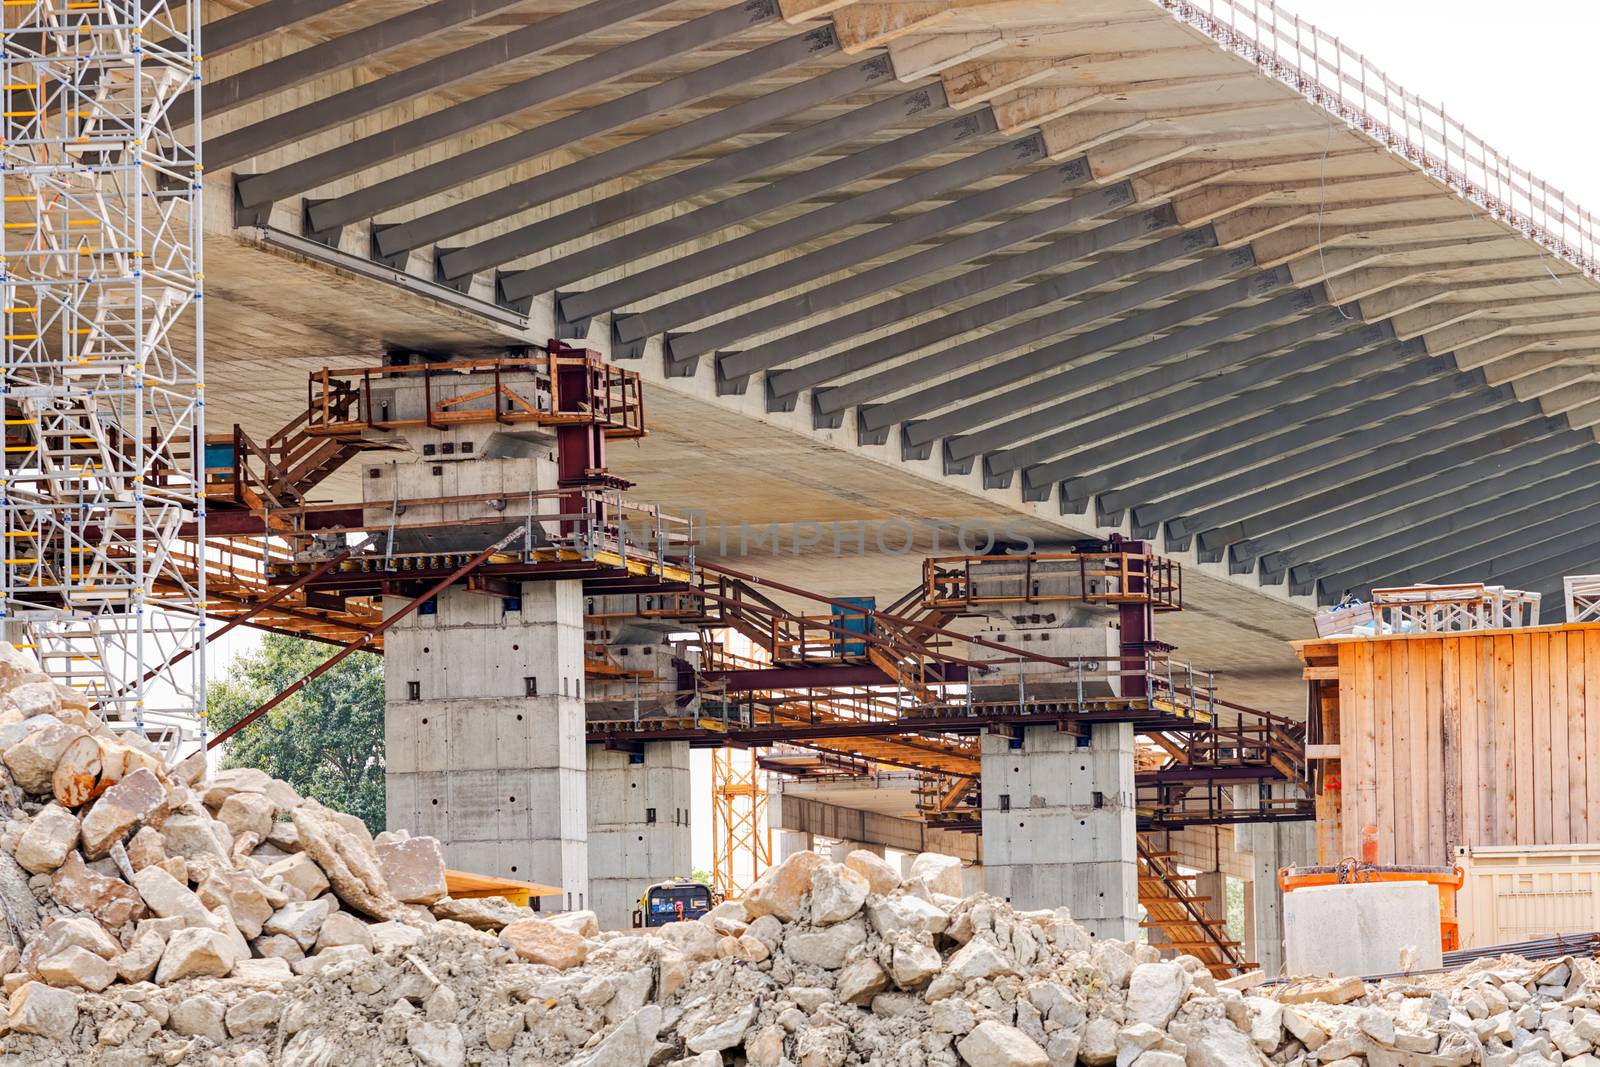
{"x":326,"y":740}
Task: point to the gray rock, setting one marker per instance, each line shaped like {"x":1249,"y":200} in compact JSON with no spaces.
{"x":993,"y":1044}
{"x":826,"y":948}
{"x":199,"y":1016}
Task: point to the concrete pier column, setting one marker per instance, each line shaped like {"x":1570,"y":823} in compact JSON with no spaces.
{"x":638,"y":826}
{"x":842,"y":849}
{"x":792,"y":841}
{"x":1271,"y":846}
{"x":1059,"y":824}
{"x":484,"y":733}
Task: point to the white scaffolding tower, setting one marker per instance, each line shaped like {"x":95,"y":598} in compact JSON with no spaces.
{"x":102,"y":358}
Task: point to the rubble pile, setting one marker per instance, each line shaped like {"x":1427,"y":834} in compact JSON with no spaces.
{"x":153,"y":916}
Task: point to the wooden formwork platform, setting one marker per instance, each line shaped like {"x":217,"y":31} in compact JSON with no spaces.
{"x":1441,"y":740}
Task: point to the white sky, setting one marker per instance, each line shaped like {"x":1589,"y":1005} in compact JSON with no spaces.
{"x":1519,"y":75}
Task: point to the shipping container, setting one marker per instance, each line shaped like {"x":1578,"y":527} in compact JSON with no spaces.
{"x":1522,"y":892}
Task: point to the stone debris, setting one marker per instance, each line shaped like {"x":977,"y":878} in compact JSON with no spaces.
{"x":170,"y":919}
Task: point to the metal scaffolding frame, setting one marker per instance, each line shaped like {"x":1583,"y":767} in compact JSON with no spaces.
{"x":102,"y":357}
{"x":741,"y":838}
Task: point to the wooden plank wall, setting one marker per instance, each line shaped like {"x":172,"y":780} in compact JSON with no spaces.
{"x":1468,"y":739}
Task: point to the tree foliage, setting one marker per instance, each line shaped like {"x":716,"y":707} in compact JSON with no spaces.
{"x":326,"y":740}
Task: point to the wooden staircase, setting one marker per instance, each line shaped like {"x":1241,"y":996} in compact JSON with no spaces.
{"x":1173,"y":908}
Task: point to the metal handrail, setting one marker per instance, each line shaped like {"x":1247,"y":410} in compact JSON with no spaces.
{"x":1341,"y":81}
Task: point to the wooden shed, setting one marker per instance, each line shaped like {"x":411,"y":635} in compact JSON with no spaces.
{"x":1486,"y":737}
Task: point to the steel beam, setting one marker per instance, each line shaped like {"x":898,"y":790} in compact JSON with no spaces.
{"x":825,"y":220}
{"x":824,"y":299}
{"x":1389,"y":515}
{"x":519,"y":285}
{"x":918,"y":228}
{"x":1013,"y":304}
{"x":1285,"y":515}
{"x":233,"y":147}
{"x":1548,"y":576}
{"x":1497,"y":427}
{"x":1517,"y":519}
{"x":1057,"y":253}
{"x":1325,"y":376}
{"x":1476,"y":537}
{"x":1176,"y":464}
{"x":1455,"y":407}
{"x":1544,"y":563}
{"x":274,"y":76}
{"x":1028,"y":330}
{"x":258,"y":22}
{"x":1100,"y":436}
{"x":463,"y":167}
{"x":1020,"y":368}
{"x":399,"y":140}
{"x":1576,"y":551}
{"x":1218,"y":371}
{"x":598,"y":169}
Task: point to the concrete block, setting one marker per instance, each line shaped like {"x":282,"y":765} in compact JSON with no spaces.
{"x":1361,"y":929}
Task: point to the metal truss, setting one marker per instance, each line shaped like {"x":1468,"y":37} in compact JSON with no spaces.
{"x":741,"y":838}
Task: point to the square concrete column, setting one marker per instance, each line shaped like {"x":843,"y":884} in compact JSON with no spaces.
{"x":792,"y":841}
{"x":1271,"y":846}
{"x":484,"y":734}
{"x":638,"y":826}
{"x":1059,"y":825}
{"x":842,"y":849}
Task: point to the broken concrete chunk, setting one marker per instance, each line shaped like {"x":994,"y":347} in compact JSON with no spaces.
{"x":196,"y":951}
{"x":993,"y":1044}
{"x":199,"y":1016}
{"x":75,"y":966}
{"x":121,"y":808}
{"x":139,"y":962}
{"x":245,"y":813}
{"x":300,"y":920}
{"x":301,"y":876}
{"x":837,"y":893}
{"x":539,"y":941}
{"x":779,"y":891}
{"x":342,"y":928}
{"x":32,"y":760}
{"x":414,"y":869}
{"x":45,"y":844}
{"x":111,"y":900}
{"x":37,"y":1008}
{"x":351,"y":867}
{"x":941,"y":873}
{"x":881,"y":878}
{"x":484,"y":913}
